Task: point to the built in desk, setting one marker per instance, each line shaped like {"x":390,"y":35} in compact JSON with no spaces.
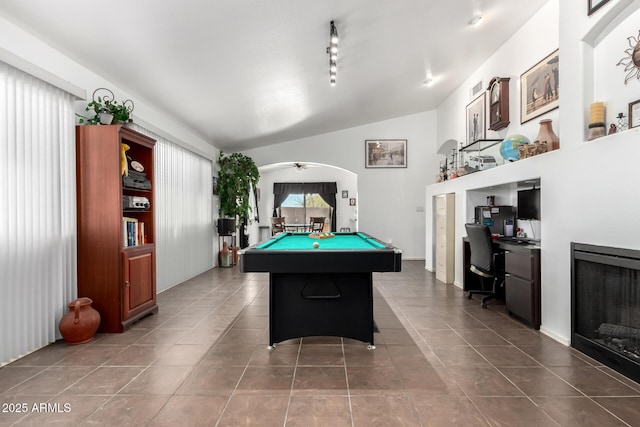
{"x":522,"y":279}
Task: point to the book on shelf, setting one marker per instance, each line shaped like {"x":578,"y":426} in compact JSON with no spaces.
{"x":132,"y":232}
{"x":140,"y":230}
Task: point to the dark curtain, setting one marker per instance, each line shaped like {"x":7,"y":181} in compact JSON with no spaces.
{"x":326,"y":190}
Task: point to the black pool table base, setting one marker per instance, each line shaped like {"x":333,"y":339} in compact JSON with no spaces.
{"x":320,"y":304}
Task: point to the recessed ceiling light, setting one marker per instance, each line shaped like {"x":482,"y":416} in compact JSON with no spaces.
{"x":475,"y":20}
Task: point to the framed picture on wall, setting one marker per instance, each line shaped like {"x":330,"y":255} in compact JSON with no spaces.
{"x":634,"y":114}
{"x":540,"y":88}
{"x":385,"y":153}
{"x":594,"y":5}
{"x":475,"y":119}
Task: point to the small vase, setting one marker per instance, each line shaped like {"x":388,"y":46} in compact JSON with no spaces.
{"x":547,"y":136}
{"x":225,"y":257}
{"x":80,"y":324}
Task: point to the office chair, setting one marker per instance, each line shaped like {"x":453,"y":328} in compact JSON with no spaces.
{"x":485,"y":261}
{"x":277,"y":225}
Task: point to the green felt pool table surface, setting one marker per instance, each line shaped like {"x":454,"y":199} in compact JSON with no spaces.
{"x":302,"y":241}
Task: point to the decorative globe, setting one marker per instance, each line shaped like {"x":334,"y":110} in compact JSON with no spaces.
{"x":509,"y":147}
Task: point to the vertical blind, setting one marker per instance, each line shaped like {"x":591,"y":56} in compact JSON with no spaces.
{"x":37,"y":211}
{"x":184,"y":213}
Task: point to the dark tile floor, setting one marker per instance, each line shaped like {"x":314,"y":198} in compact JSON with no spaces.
{"x":202,"y":360}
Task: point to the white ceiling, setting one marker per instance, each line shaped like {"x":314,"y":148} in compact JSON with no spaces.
{"x":248,"y":73}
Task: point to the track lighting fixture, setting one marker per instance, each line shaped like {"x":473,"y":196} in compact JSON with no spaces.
{"x":332,"y":50}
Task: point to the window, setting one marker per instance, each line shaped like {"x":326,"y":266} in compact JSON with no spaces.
{"x":308,"y":198}
{"x":298,"y":208}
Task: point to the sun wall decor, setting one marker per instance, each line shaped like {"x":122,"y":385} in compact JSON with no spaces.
{"x":631,"y":62}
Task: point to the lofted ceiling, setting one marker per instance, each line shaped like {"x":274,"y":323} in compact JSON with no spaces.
{"x":249,"y":73}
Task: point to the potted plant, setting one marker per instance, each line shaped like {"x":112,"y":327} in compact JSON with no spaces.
{"x":106,"y":110}
{"x":237,"y":176}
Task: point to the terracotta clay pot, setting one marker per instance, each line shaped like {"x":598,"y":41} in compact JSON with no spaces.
{"x":236,"y":255}
{"x":80,"y":324}
{"x":226,"y":255}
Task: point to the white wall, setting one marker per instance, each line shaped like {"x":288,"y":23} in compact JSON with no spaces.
{"x":608,"y":77}
{"x":390,"y":202}
{"x":535,"y":40}
{"x":588,"y":187}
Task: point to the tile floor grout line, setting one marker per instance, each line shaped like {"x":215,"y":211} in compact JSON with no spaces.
{"x":346,"y":375}
{"x":446,"y":368}
{"x":293,"y":381}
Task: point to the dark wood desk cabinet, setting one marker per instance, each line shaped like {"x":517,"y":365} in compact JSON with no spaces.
{"x":522,"y":280}
{"x":522,"y":283}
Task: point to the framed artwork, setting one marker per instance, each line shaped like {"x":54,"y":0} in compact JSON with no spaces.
{"x":595,"y":5}
{"x":476,"y":119}
{"x":345,"y":194}
{"x":540,"y":88}
{"x":385,"y":153}
{"x":634,"y":114}
{"x":352,"y":202}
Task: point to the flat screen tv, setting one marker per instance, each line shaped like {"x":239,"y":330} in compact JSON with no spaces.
{"x":529,"y":204}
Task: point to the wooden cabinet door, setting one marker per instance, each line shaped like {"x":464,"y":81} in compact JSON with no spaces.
{"x":519,"y":298}
{"x":522,"y":285}
{"x":520,"y":265}
{"x":139,"y":293}
{"x":445,"y":236}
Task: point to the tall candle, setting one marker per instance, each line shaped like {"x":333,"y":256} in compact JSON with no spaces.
{"x":597,"y":112}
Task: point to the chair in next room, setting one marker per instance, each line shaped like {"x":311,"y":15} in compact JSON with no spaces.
{"x":316,"y":224}
{"x":277,"y":225}
{"x":486,"y":261}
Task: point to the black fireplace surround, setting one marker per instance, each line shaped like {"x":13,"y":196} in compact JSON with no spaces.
{"x":605,"y":306}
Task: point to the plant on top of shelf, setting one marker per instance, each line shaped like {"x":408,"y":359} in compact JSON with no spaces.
{"x":106,"y":109}
{"x":237,"y":176}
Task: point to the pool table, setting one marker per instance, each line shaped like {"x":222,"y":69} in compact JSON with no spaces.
{"x":323,"y":291}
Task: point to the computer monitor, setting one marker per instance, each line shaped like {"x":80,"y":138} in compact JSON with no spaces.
{"x":529,"y":204}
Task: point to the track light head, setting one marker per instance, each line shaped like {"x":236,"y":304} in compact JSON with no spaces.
{"x":333,"y":33}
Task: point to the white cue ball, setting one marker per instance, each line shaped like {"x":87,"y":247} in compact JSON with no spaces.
{"x":316,"y":245}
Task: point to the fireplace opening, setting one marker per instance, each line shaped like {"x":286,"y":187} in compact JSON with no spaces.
{"x":605,"y":306}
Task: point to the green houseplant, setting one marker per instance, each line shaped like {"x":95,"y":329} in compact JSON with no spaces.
{"x":106,"y":109}
{"x":237,"y":176}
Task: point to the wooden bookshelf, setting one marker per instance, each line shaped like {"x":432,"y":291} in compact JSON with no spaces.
{"x":119,"y":279}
